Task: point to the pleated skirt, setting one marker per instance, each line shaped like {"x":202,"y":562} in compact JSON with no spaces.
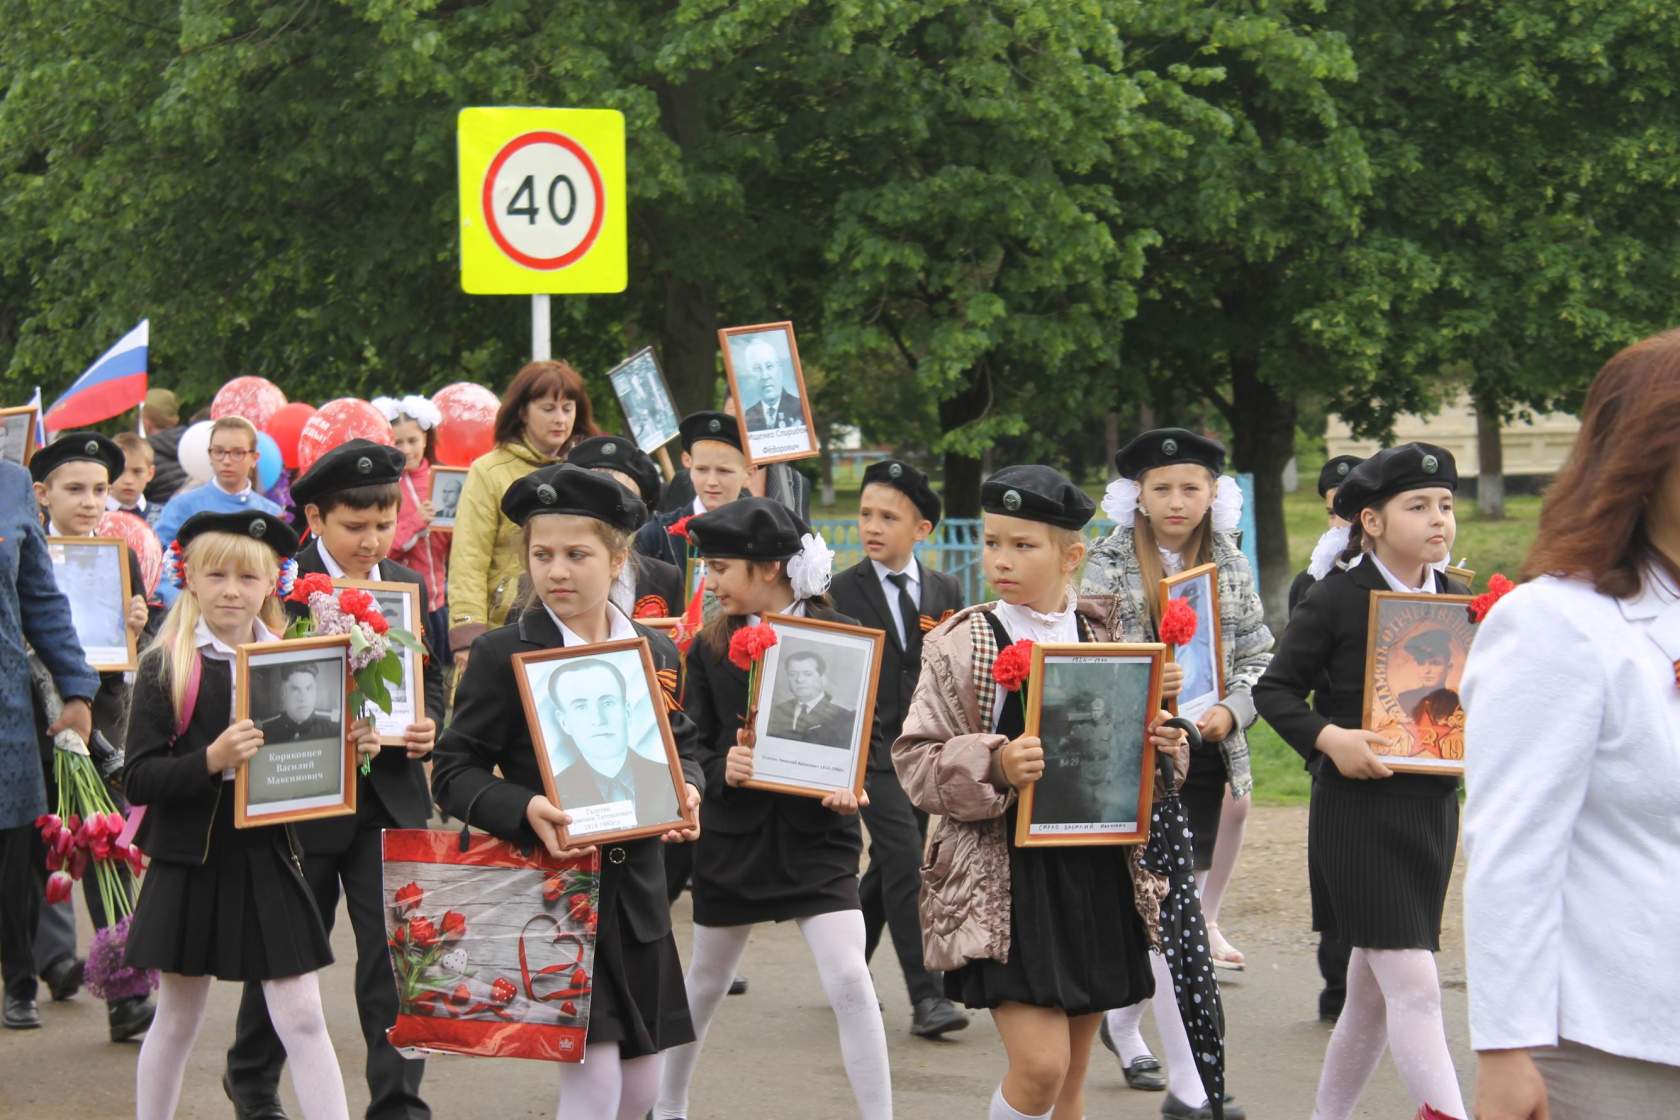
{"x":775,"y":874}
{"x":1380,"y":856}
{"x":639,"y":1000}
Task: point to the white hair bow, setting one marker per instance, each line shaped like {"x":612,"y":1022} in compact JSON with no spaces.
{"x":812,"y":569}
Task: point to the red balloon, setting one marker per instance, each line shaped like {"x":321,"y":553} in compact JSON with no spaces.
{"x":132,"y":529}
{"x":339,"y":421}
{"x":285,"y":426}
{"x":254,"y":398}
{"x":468,"y":428}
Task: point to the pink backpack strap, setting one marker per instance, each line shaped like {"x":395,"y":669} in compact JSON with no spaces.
{"x":190,"y":700}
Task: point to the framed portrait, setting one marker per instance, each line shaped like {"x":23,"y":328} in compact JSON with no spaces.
{"x":603,"y":742}
{"x":768,"y":385}
{"x":1466,"y":576}
{"x":1204,"y":667}
{"x":815,"y":706}
{"x":1091,"y":704}
{"x":446,"y":495}
{"x":17,"y":434}
{"x":93,"y":574}
{"x":298,"y":693}
{"x":400,"y":604}
{"x":666,"y":626}
{"x":1414,"y":662}
{"x":645,"y":400}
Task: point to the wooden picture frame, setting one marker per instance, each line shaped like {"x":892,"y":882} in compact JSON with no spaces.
{"x":791,"y":434}
{"x":101,"y":624}
{"x":814,"y":745}
{"x":17,"y":433}
{"x":666,"y":626}
{"x":1203,"y":659}
{"x":323,"y":765}
{"x":447,"y":484}
{"x":408,"y":701}
{"x":1410,"y":634}
{"x":1098,"y":780}
{"x":658,"y":803}
{"x":645,"y":400}
{"x":1466,"y":576}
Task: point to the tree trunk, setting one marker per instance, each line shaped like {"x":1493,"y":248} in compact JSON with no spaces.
{"x":1263,"y":430}
{"x":1490,"y":458}
{"x":688,"y":343}
{"x":1111,"y":438}
{"x":962,"y":472}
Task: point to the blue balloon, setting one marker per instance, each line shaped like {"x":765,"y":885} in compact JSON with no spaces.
{"x":268,"y":462}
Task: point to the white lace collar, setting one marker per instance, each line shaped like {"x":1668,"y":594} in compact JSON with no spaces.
{"x":1024,"y":622}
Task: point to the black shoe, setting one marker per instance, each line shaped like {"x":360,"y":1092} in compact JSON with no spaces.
{"x":738,"y":986}
{"x":1330,"y":1007}
{"x":1144,"y":1074}
{"x":129,"y":1017}
{"x":267,"y":1110}
{"x":20,"y":1014}
{"x":1174,"y":1109}
{"x":64,"y":976}
{"x":934,"y":1016}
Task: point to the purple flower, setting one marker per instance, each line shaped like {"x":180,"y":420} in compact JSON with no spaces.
{"x":108,"y":975}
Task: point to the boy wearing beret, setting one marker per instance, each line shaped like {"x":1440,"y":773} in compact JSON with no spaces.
{"x":717,"y":466}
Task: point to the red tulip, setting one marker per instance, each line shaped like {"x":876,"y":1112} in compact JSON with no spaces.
{"x":78,"y":863}
{"x":460,"y":996}
{"x":409,"y":897}
{"x":422,"y":932}
{"x":54,"y":861}
{"x":454,"y":924}
{"x":551,"y":888}
{"x":59,"y":887}
{"x":114,"y":823}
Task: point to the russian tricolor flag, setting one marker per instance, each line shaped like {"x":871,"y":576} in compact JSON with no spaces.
{"x":111,"y":386}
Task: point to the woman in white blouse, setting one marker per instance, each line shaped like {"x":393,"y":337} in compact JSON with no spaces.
{"x":1573,"y":767}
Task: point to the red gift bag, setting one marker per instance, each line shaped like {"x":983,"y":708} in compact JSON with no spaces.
{"x":493,"y":950}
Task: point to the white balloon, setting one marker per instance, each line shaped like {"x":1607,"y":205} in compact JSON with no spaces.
{"x":193,"y":452}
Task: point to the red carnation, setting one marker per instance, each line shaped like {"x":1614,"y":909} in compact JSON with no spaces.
{"x":354,"y":601}
{"x":679,"y":528}
{"x":461,"y":996}
{"x":454,"y":924}
{"x":1498,"y":588}
{"x":409,"y":897}
{"x":376,"y":622}
{"x":305,"y":586}
{"x":503,"y":991}
{"x":1178,"y":623}
{"x":748,"y":644}
{"x":422,"y":932}
{"x":1012,"y":666}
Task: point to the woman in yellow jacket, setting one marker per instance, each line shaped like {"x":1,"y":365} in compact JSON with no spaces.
{"x":544,"y":412}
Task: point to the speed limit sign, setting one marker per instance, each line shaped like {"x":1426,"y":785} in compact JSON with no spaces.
{"x":542,"y":201}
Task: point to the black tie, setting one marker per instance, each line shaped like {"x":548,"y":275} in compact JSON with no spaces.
{"x":907,"y":613}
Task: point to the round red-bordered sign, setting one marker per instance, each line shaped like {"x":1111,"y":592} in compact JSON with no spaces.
{"x":517,"y":144}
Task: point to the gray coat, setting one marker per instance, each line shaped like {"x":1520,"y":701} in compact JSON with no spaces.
{"x":1245,"y":642}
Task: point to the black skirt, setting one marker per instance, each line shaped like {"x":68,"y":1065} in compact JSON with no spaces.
{"x":639,"y":1000}
{"x":1380,"y":856}
{"x":246,"y":914}
{"x":1203,"y":797}
{"x":775,"y":874}
{"x":1076,"y":941}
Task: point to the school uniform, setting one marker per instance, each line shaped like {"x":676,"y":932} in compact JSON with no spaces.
{"x":654,"y":539}
{"x":658,"y":589}
{"x":639,"y":1001}
{"x":349,"y":850}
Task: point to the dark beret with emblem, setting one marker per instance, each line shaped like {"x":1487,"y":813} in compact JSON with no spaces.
{"x":749,"y":529}
{"x":719,"y":426}
{"x":615,"y":453}
{"x":264,"y":527}
{"x":77,"y":447}
{"x":349,"y":466}
{"x":1335,"y":472}
{"x":1037,"y":493}
{"x":1168,"y":447}
{"x":570,"y":489}
{"x":913,"y":483}
{"x":1411,"y":466}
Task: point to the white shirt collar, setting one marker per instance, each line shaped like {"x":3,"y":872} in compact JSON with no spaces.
{"x":1024,"y":622}
{"x":1171,"y":562}
{"x":911,"y":569}
{"x":623,"y":593}
{"x":618,"y":627}
{"x":334,"y":568}
{"x":797,"y":610}
{"x":699,"y":506}
{"x":242,"y":494}
{"x":139,"y":505}
{"x":1395,"y":583}
{"x":212,"y":646}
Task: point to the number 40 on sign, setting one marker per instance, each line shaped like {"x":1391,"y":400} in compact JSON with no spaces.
{"x":542,"y":207}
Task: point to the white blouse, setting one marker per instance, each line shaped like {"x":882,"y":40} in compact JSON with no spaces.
{"x":1024,"y":622}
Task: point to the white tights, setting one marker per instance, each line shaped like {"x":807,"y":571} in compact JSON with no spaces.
{"x":1211,"y":884}
{"x":836,"y":942}
{"x":1178,"y":1061}
{"x":294,"y":1007}
{"x":1393,"y":1002}
{"x":606,"y":1087}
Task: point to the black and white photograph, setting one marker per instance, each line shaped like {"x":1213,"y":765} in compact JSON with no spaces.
{"x":604,"y":746}
{"x":645,"y":399}
{"x":446,"y":495}
{"x":768,"y":387}
{"x":1204,"y":669}
{"x":815,"y":707}
{"x":400,"y":604}
{"x":1091,"y":705}
{"x":297,"y":693}
{"x":17,"y":434}
{"x":93,"y":574}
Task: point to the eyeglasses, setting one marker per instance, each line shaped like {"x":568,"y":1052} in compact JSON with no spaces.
{"x":232,"y":454}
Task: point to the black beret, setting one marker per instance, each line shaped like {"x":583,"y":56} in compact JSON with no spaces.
{"x":1335,"y":471}
{"x":615,"y":453}
{"x":912,"y":482}
{"x":1411,"y":466}
{"x":570,"y":489}
{"x":257,"y":525}
{"x":349,"y":466}
{"x":1037,"y":493}
{"x":749,"y":529}
{"x":1166,"y":447}
{"x":72,"y":447}
{"x":719,"y":426}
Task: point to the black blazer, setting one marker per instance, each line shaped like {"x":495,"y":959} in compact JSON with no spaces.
{"x":715,"y":697}
{"x":657,"y":579}
{"x":489,"y":733}
{"x":789,"y":414}
{"x":397,"y":780}
{"x":1302,"y":584}
{"x":1322,"y":653}
{"x":857,"y":592}
{"x":654,"y":540}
